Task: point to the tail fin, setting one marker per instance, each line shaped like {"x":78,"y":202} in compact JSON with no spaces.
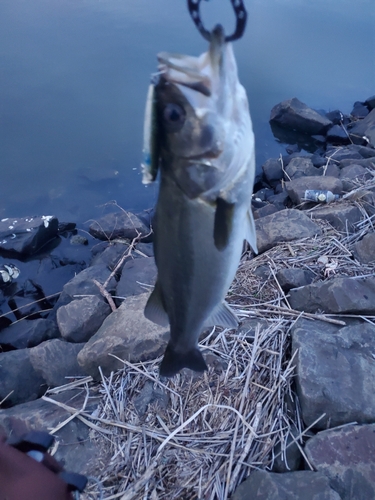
{"x":174,"y":361}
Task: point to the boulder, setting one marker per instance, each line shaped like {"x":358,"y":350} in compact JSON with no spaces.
{"x":364,"y":250}
{"x":306,"y":485}
{"x":342,"y":216}
{"x":279,"y":201}
{"x":295,"y":115}
{"x":138,"y":276}
{"x":76,"y":451}
{"x":118,"y":225}
{"x":337,"y":295}
{"x":111,"y":254}
{"x":26,"y":235}
{"x":28,"y":333}
{"x":272,"y":171}
{"x":286,"y":225}
{"x":79,"y":320}
{"x":301,"y":167}
{"x":370,"y":102}
{"x":55,"y":360}
{"x":127,"y":334}
{"x":294,"y":278}
{"x":337,"y":135}
{"x":297,"y":187}
{"x":363,"y":131}
{"x":268,"y":209}
{"x":346,"y":457}
{"x":334,"y":372}
{"x":20,"y":382}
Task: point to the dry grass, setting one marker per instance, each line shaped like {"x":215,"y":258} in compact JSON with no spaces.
{"x":199,"y":437}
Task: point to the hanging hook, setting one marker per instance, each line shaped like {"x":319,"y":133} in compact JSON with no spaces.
{"x":240,"y":13}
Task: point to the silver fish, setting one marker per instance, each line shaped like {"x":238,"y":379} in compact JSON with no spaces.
{"x":202,"y":142}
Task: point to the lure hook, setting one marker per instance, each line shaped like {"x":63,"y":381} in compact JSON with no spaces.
{"x":240,"y":13}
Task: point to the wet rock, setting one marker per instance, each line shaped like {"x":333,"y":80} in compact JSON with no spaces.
{"x":286,"y":225}
{"x":363,"y":131}
{"x":55,"y":360}
{"x":150,"y":395}
{"x":111,"y":255}
{"x":290,"y":458}
{"x":338,"y":295}
{"x":77,"y":239}
{"x":297,"y":187}
{"x":346,"y":457}
{"x":279,"y":201}
{"x":364,"y":151}
{"x":306,"y":485}
{"x":125,"y":333}
{"x":337,"y":135}
{"x":76,"y":451}
{"x":340,"y":153}
{"x":294,"y":114}
{"x":28,"y":333}
{"x":294,"y":278}
{"x":264,"y":211}
{"x":300,"y":167}
{"x":318,"y":160}
{"x":272,"y":171}
{"x":335,"y":116}
{"x":26,"y":235}
{"x":138,"y":276}
{"x":360,"y":110}
{"x":366,"y":163}
{"x":341,"y":216}
{"x":20,"y":381}
{"x":51,"y":279}
{"x":79,"y":320}
{"x":145,"y":249}
{"x":118,"y":225}
{"x":334,"y":372}
{"x":27,"y":307}
{"x":370,"y":102}
{"x":364,"y":249}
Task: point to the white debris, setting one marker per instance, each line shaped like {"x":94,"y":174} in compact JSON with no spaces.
{"x":4,"y":220}
{"x":46,"y":219}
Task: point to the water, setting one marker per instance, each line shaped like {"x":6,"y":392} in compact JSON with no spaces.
{"x":74,"y":76}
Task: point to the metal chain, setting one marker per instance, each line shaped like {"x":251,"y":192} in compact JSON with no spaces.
{"x":241,"y":17}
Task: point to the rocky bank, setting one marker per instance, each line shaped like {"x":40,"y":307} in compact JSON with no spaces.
{"x":74,"y":316}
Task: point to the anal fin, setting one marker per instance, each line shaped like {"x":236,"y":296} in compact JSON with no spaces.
{"x":154,"y":310}
{"x":222,"y":316}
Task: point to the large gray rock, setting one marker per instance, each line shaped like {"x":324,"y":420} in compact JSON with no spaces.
{"x":299,"y":485}
{"x":76,"y":451}
{"x":346,"y":457}
{"x":55,"y":360}
{"x":338,"y":295}
{"x":301,"y":167}
{"x":272,"y":171}
{"x":125,"y":333}
{"x":294,"y":278}
{"x":28,"y":333}
{"x":342,"y":216}
{"x":27,"y":235}
{"x":364,"y":250}
{"x":297,"y":187}
{"x":295,"y":115}
{"x":109,"y":254}
{"x":20,"y":381}
{"x":286,"y":225}
{"x":118,"y":225}
{"x":334,"y":372}
{"x":364,"y":128}
{"x":79,"y":320}
{"x":136,"y":274}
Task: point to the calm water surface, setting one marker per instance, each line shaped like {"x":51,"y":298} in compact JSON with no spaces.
{"x":74,"y":76}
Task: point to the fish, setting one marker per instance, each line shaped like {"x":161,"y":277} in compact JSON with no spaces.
{"x":199,"y":137}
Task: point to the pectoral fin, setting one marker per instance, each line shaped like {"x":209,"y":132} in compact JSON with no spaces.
{"x":154,"y":310}
{"x":222,"y":316}
{"x":223,"y":223}
{"x":251,"y":236}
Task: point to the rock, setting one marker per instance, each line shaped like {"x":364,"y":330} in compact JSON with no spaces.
{"x":370,"y":102}
{"x":264,"y":211}
{"x":118,"y":225}
{"x":77,"y":239}
{"x":76,"y":451}
{"x":364,"y":250}
{"x":338,"y":154}
{"x":150,"y":394}
{"x":247,"y":328}
{"x":353,"y":171}
{"x":338,"y":295}
{"x":335,"y":116}
{"x":79,"y":320}
{"x":294,"y":278}
{"x":286,"y":225}
{"x":291,"y":457}
{"x":297,"y":187}
{"x":20,"y":382}
{"x":52,"y":279}
{"x":127,"y":334}
{"x":26,"y":236}
{"x":294,"y":114}
{"x":360,"y":110}
{"x":136,"y":275}
{"x":337,"y":135}
{"x":366,"y":163}
{"x":318,"y":160}
{"x":334,"y":372}
{"x":279,"y":201}
{"x":146,"y":249}
{"x":111,"y":255}
{"x":341,"y":216}
{"x":28,"y":333}
{"x":55,"y":360}
{"x":363,"y":131}
{"x":272,"y":171}
{"x":346,"y":457}
{"x":300,"y":167}
{"x":306,"y":485}
{"x":364,"y":151}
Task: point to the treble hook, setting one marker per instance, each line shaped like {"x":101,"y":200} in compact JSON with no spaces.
{"x":241,"y":17}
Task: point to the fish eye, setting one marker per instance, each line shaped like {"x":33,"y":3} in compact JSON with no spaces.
{"x":174,"y":115}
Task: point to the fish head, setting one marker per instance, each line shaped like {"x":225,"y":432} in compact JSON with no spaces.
{"x":202,"y":117}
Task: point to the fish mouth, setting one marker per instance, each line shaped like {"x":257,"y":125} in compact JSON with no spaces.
{"x":195,"y":73}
